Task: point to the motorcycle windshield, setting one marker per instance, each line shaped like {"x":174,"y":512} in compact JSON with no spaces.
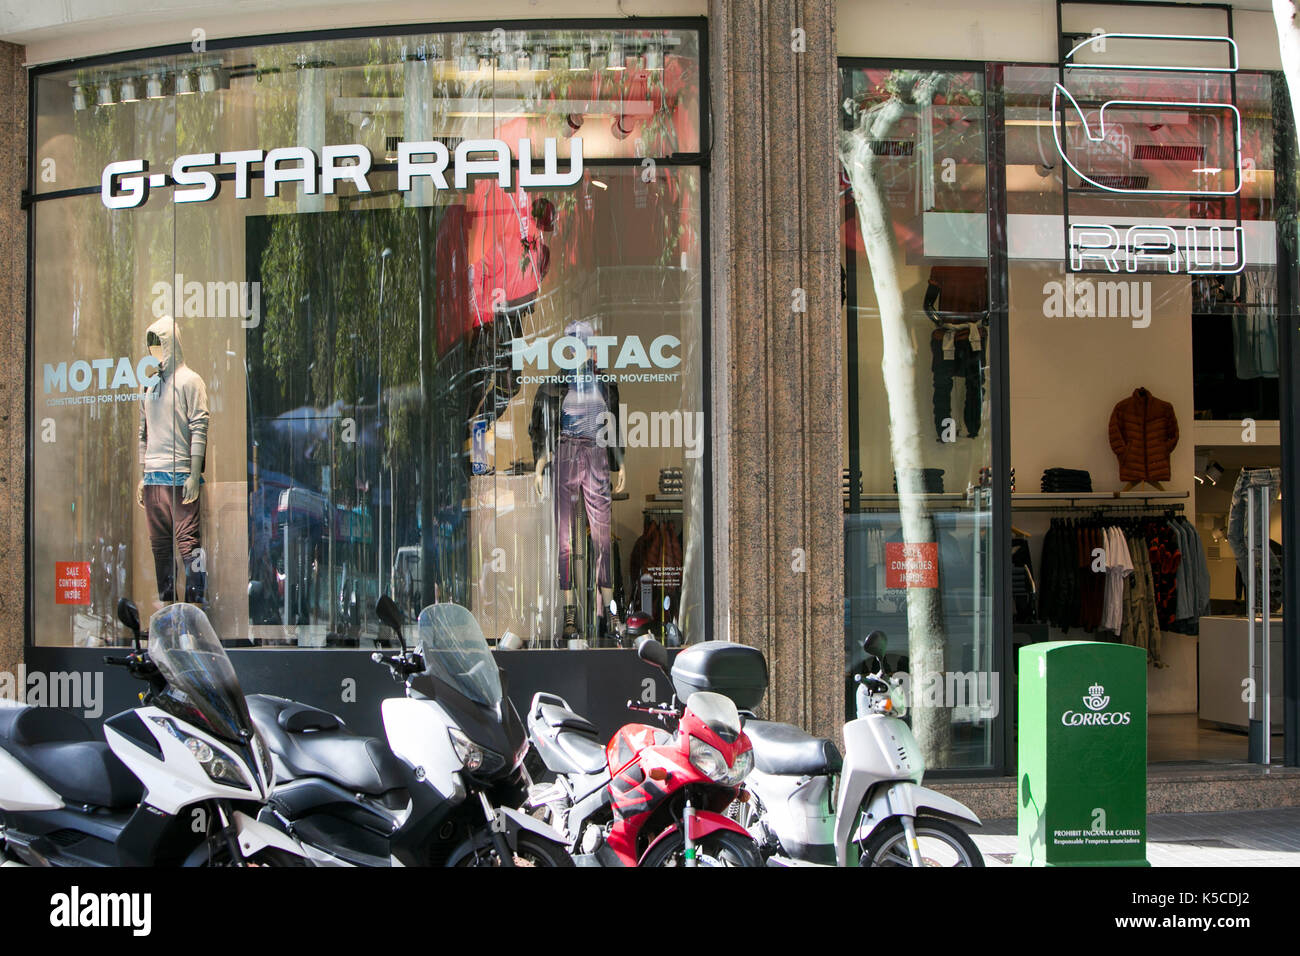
{"x":718,"y":712}
{"x":456,"y":653}
{"x":201,"y":683}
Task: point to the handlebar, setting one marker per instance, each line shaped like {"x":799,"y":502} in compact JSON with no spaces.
{"x":401,"y":667}
{"x":118,"y":661}
{"x":659,"y":710}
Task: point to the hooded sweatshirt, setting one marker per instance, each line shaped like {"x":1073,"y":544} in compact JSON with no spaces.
{"x":173,"y":413}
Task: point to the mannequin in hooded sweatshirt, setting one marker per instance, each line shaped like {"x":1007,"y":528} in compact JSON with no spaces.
{"x":173,"y":441}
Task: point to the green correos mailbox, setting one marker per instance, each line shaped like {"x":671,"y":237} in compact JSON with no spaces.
{"x":1082,"y":774}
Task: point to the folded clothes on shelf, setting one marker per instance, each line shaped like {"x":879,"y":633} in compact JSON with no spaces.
{"x":1066,"y":480}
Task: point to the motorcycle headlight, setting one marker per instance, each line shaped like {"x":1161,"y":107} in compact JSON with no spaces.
{"x":741,"y":766}
{"x":709,"y":761}
{"x":217,"y":764}
{"x":468,"y":753}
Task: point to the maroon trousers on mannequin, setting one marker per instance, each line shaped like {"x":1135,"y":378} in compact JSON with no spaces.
{"x":173,"y":526}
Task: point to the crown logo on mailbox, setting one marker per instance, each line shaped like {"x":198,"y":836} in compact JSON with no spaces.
{"x":1096,"y":698}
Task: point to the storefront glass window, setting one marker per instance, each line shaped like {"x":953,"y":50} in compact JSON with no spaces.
{"x":443,"y":374}
{"x":1143,"y":360}
{"x":918,"y":454}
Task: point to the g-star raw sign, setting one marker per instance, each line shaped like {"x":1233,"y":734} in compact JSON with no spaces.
{"x":125,"y":184}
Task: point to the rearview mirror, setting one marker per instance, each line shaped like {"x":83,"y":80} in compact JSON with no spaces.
{"x":875,"y":644}
{"x":652,"y":652}
{"x":129,"y":615}
{"x":387,"y":611}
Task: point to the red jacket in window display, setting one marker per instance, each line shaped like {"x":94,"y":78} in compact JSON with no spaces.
{"x":1143,"y":433}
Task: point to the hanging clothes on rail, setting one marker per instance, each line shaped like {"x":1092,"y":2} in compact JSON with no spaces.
{"x":1123,"y":578}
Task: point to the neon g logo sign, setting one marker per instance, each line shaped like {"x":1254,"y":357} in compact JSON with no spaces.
{"x":1099,"y":133}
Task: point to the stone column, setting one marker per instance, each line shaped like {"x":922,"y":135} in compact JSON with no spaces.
{"x":13,"y":353}
{"x":778,"y":535}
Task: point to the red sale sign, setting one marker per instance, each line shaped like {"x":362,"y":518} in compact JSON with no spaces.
{"x":911,"y":565}
{"x":71,"y":582}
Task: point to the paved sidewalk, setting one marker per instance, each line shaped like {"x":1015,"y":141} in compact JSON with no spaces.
{"x":1235,"y":838}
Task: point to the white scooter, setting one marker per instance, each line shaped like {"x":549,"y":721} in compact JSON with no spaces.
{"x":882,"y":815}
{"x":179,"y":783}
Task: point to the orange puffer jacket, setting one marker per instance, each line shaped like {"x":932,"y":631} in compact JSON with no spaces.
{"x":1143,"y":431}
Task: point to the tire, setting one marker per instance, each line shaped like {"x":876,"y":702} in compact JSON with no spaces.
{"x":942,"y":844}
{"x":531,"y":850}
{"x":719,"y":848}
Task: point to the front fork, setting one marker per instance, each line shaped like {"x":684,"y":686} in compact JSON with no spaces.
{"x":909,"y":832}
{"x":496,"y":826}
{"x":688,"y":825}
{"x":225,"y":820}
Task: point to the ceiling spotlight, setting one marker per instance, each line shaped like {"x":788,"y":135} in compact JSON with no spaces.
{"x":506,"y":61}
{"x":654,"y":57}
{"x":183,"y":87}
{"x":578,"y":58}
{"x":128,"y":91}
{"x":540,"y":59}
{"x":621,"y":127}
{"x":207,"y":80}
{"x":1213,"y":472}
{"x":105,"y":96}
{"x":153,"y":87}
{"x":615,"y":60}
{"x":572,"y":123}
{"x":598,"y":184}
{"x":78,"y":99}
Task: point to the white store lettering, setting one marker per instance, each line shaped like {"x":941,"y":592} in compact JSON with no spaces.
{"x":125,"y":184}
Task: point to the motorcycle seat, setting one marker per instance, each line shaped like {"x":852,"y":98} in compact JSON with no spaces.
{"x":570,"y":751}
{"x":61,"y":749}
{"x":314,"y":743}
{"x":558,"y":717}
{"x":785,"y":750}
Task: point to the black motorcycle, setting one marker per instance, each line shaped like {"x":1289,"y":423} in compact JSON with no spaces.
{"x":439,"y":792}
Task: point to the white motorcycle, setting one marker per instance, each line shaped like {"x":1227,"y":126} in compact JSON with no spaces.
{"x":180,"y":781}
{"x":808,"y":805}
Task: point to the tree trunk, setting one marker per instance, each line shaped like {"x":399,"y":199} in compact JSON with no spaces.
{"x":931,"y":723}
{"x":1288,"y":39}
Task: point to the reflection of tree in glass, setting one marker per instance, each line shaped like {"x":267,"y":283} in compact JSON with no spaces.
{"x":926,"y":638}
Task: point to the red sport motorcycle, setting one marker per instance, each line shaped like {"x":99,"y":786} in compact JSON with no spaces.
{"x":651,"y":797}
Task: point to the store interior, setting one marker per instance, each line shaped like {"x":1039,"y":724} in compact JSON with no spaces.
{"x":1135,"y":401}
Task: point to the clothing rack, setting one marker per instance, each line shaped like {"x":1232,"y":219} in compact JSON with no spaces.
{"x":1101,"y":510}
{"x":1094,"y":499}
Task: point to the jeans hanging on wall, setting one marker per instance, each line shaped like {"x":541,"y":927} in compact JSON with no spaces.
{"x":953,"y":356}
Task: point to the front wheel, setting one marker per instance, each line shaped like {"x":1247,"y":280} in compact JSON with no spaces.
{"x":530,"y":850}
{"x":719,"y":848}
{"x":941,"y":843}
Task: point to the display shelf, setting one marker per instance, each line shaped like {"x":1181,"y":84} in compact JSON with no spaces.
{"x":1091,"y":500}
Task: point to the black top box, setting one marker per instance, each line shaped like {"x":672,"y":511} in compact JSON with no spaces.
{"x":737,"y":671}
